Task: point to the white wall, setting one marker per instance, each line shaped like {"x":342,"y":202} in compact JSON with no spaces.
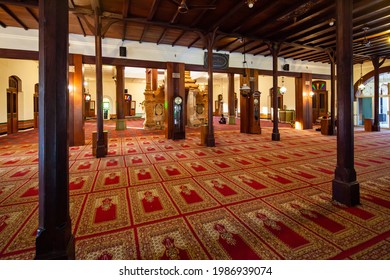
{"x":27,"y":71}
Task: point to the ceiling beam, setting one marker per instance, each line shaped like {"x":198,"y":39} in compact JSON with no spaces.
{"x":153,"y":10}
{"x":11,"y":14}
{"x":178,"y":38}
{"x":81,"y":26}
{"x":162,"y":36}
{"x":146,"y":28}
{"x":2,"y":24}
{"x":26,"y":3}
{"x":228,"y":44}
{"x":227,"y":16}
{"x":201,"y":15}
{"x":126,"y":5}
{"x":32,"y":14}
{"x":124,"y":31}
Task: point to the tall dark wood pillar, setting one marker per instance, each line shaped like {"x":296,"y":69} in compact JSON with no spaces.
{"x":154,"y":79}
{"x":54,"y":238}
{"x":76,"y":104}
{"x":377,"y":64}
{"x":231,"y":99}
{"x":332,"y":94}
{"x":100,"y":145}
{"x":120,"y":100}
{"x":210,"y":139}
{"x":345,"y":188}
{"x":275,"y":48}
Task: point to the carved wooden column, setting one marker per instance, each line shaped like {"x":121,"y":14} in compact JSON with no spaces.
{"x":210,"y":39}
{"x":275,"y":48}
{"x":345,"y":188}
{"x":149,"y":103}
{"x":231,"y":99}
{"x":76,"y":103}
{"x":120,"y":100}
{"x":54,"y":238}
{"x":377,"y":64}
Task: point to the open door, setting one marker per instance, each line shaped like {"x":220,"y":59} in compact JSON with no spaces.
{"x":12,"y":105}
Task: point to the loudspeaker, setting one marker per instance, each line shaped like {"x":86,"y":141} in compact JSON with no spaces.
{"x":122,"y":51}
{"x":125,"y":90}
{"x":286,"y":67}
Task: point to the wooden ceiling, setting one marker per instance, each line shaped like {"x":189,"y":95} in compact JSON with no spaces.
{"x":302,"y":26}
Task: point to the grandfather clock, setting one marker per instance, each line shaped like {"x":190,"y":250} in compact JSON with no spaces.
{"x":178,"y":119}
{"x":254,"y":113}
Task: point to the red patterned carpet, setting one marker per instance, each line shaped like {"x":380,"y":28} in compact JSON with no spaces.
{"x":246,"y":198}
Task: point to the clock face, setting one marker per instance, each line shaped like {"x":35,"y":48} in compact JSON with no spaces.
{"x":256,"y":101}
{"x":178,"y":100}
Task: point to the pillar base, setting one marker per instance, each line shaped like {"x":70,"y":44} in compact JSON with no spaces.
{"x":232,"y":119}
{"x":347,"y":193}
{"x":67,"y":254}
{"x":275,"y":136}
{"x":210,"y":140}
{"x":121,"y":124}
{"x":376,"y":127}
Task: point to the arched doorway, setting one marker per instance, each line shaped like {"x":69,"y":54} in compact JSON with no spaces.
{"x":36,"y":105}
{"x":14,"y":86}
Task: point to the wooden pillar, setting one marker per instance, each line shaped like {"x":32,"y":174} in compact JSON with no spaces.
{"x":210,"y":139}
{"x":345,"y":188}
{"x":120,"y":100}
{"x":275,"y":48}
{"x":332,"y":94}
{"x":231,"y":99}
{"x":54,"y":238}
{"x":303,"y":102}
{"x":100,"y":145}
{"x":377,"y":64}
{"x":76,"y":103}
{"x":244,"y":101}
{"x":174,"y":86}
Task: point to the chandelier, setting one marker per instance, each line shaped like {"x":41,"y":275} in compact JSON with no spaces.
{"x":250,"y":3}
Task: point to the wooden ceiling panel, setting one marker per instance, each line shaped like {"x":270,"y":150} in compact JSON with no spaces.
{"x":300,"y":24}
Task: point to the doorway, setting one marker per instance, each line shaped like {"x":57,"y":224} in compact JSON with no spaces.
{"x":12,"y":104}
{"x":106,"y":109}
{"x":319,"y":100}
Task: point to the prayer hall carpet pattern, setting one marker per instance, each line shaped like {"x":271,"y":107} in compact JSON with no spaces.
{"x":246,"y":198}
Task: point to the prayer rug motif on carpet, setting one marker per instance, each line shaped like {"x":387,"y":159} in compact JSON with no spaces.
{"x":171,"y":171}
{"x":159,"y":157}
{"x":113,"y":246}
{"x":7,"y":188}
{"x":189,"y":196}
{"x":25,"y":238}
{"x":84,"y":165}
{"x":361,"y":214}
{"x":169,"y":240}
{"x":252,"y":183}
{"x":226,"y":238}
{"x":111,"y":162}
{"x":326,"y":224}
{"x":134,"y":160}
{"x":111,"y":179}
{"x":150,"y":203}
{"x":222,"y":190}
{"x":22,"y":172}
{"x":197,"y":167}
{"x":104,"y":211}
{"x":81,"y":182}
{"x":26,"y":193}
{"x":11,"y":220}
{"x":287,"y":237}
{"x":144,"y":174}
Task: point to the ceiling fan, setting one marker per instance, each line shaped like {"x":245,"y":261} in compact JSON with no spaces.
{"x":183,"y":7}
